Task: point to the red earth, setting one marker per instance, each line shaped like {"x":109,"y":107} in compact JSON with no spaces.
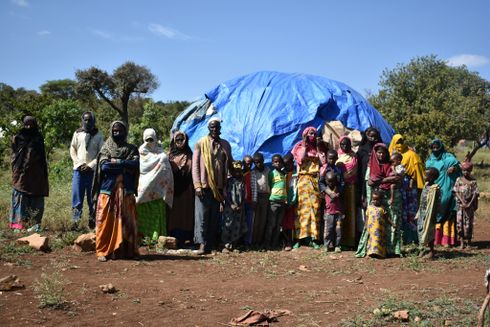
{"x":186,"y":290}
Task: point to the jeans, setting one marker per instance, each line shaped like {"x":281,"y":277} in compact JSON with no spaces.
{"x":82,"y":185}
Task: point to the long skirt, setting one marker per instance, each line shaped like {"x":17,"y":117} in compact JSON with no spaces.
{"x":116,"y":231}
{"x":350,"y":219}
{"x":308,"y":222}
{"x":180,"y":218}
{"x":410,"y":206}
{"x":393,"y":233}
{"x":446,"y":232}
{"x":151,"y":219}
{"x":25,"y":208}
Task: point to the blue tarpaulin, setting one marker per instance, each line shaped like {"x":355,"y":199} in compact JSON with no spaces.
{"x":267,"y":111}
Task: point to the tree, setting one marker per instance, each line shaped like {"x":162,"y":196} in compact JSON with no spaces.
{"x":126,"y":81}
{"x":59,"y":120}
{"x":60,"y":89}
{"x":159,"y":116}
{"x":426,"y":98}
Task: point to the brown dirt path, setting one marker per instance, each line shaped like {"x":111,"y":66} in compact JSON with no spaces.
{"x":161,"y":290}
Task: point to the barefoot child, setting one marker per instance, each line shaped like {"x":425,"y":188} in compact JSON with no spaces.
{"x":376,"y":222}
{"x":397,"y":170}
{"x":466,"y":191}
{"x":233,"y":222}
{"x":333,"y":216}
{"x":426,"y":215}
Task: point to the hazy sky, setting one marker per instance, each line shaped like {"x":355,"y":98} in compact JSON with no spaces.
{"x":192,"y":46}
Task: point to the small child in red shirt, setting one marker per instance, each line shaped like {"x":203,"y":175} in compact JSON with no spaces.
{"x":334,"y":213}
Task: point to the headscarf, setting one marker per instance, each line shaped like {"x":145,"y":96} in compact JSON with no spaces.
{"x":90,"y":126}
{"x":349,"y":160}
{"x":117,"y":149}
{"x":179,"y":158}
{"x":299,"y":148}
{"x":363,"y":154}
{"x":150,"y":133}
{"x":156,"y":179}
{"x":176,"y":151}
{"x":442,"y":161}
{"x":113,"y":149}
{"x":29,"y":165}
{"x":411,"y":160}
{"x":379,"y":170}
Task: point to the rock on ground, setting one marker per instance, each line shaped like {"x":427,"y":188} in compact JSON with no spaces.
{"x":35,"y":241}
{"x":85,"y":243}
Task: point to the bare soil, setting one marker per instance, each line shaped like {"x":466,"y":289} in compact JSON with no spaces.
{"x":186,"y":290}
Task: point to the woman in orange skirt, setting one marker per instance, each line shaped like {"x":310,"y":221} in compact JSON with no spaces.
{"x":115,"y":185}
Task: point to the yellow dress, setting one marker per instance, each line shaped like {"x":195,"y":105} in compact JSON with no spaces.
{"x":308,"y":222}
{"x":375,"y":218}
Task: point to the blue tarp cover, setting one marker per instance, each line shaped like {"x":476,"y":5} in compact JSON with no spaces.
{"x":267,"y":111}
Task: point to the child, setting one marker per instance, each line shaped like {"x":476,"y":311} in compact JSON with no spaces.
{"x":250,"y":197}
{"x":292,"y":201}
{"x":233,"y":226}
{"x":376,"y":221}
{"x":277,"y":202}
{"x":261,"y":176}
{"x":332,"y":235}
{"x":397,"y":170}
{"x":466,"y":191}
{"x":331,"y":165}
{"x":426,"y":215}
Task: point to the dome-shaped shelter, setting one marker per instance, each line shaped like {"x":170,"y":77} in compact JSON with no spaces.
{"x":267,"y":111}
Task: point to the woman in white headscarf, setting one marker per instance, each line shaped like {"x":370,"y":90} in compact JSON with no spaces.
{"x":155,"y":188}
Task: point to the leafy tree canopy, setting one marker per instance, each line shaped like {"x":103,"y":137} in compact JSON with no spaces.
{"x":127,"y":81}
{"x":426,"y":98}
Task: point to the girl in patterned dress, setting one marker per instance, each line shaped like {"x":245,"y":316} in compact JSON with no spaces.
{"x":466,"y":191}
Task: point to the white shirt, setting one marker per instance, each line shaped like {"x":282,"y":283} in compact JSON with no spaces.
{"x":84,"y":148}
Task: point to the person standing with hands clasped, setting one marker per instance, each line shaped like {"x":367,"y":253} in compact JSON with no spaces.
{"x":210,"y":164}
{"x":85,"y":146}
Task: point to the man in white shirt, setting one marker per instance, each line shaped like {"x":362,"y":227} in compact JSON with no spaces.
{"x":85,"y":146}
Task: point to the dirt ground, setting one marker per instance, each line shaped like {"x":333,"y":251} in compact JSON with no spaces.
{"x":319,"y":289}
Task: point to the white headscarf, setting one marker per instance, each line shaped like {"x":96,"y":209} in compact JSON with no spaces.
{"x":156,"y":178}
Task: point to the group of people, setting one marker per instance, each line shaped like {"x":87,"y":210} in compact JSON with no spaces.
{"x":371,"y":200}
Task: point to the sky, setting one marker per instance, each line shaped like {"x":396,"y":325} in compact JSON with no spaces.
{"x":192,"y":46}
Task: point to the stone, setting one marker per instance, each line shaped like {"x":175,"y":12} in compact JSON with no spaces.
{"x":35,"y":241}
{"x":10,"y":283}
{"x":85,"y":243}
{"x":401,"y":315}
{"x":167,"y":242}
{"x":108,"y":288}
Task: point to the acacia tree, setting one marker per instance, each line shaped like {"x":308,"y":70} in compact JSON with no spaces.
{"x":426,"y":98}
{"x":128,"y":80}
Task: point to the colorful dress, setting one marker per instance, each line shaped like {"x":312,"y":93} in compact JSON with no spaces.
{"x":155,"y":188}
{"x":115,"y":185}
{"x":375,"y":225}
{"x":429,"y":203}
{"x":308,"y":222}
{"x":466,"y":189}
{"x":414,"y":174}
{"x":349,"y":228}
{"x":445,"y":219}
